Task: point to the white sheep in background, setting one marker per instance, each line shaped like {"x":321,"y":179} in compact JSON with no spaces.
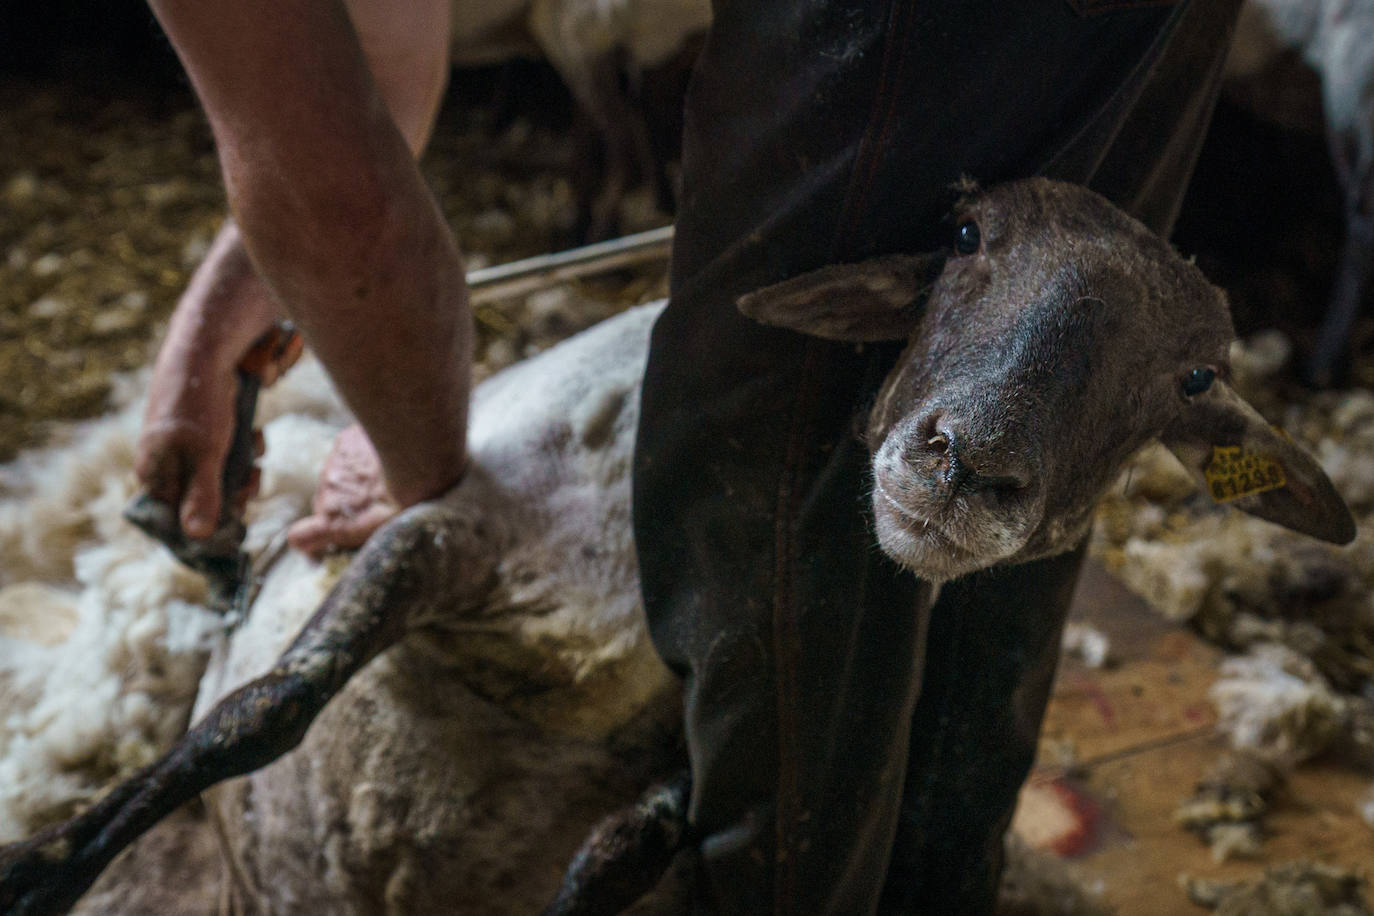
{"x":597,"y":46}
{"x":1336,"y":39}
{"x":647,"y":32}
{"x":497,"y":690}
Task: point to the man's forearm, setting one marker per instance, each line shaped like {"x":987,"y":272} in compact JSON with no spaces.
{"x":224,"y":309}
{"x":338,"y":221}
{"x":227,"y":306}
{"x":406,"y":45}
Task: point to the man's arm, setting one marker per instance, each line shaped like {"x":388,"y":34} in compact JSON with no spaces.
{"x":317,"y":151}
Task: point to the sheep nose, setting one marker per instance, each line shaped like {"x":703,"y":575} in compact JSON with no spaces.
{"x":946,"y":454}
{"x":936,"y":453}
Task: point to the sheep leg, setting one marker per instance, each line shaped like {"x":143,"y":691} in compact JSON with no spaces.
{"x":417,"y":564}
{"x":627,"y":853}
{"x":598,"y":87}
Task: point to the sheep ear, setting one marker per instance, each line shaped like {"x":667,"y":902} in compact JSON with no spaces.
{"x":878,"y":299}
{"x":1244,"y":462}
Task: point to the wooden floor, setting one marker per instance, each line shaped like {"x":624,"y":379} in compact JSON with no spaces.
{"x":1141,"y":733}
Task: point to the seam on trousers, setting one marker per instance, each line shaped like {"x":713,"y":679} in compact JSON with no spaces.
{"x":876,"y":137}
{"x":786,"y":635}
{"x":877,"y":134}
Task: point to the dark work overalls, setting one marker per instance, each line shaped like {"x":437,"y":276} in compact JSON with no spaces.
{"x":849,"y":753}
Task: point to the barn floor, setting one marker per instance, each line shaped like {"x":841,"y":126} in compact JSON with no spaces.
{"x":1124,"y":745}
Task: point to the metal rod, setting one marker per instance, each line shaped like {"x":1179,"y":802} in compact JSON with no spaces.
{"x":517,"y":277}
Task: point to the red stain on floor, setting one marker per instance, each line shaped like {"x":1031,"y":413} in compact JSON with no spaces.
{"x":1056,"y":816}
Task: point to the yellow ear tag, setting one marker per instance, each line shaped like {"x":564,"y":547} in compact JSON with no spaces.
{"x":1234,"y":472}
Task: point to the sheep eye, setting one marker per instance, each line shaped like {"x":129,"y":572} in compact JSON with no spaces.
{"x":967,"y":237}
{"x":1198,"y":381}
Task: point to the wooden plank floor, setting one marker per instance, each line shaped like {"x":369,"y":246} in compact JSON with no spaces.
{"x":1140,"y":735}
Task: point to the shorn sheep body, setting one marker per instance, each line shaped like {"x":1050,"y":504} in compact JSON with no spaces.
{"x":517,"y":728}
{"x":108,"y":640}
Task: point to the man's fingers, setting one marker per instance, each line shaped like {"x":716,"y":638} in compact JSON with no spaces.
{"x":352,"y":500}
{"x":308,"y":534}
{"x":159,"y":471}
{"x":200,"y":506}
{"x":318,"y":533}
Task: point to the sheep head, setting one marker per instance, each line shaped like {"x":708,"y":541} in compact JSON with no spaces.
{"x":1054,"y":339}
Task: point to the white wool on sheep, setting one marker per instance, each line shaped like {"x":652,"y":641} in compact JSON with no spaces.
{"x":573,"y":33}
{"x":649,"y":31}
{"x":1274,"y":702}
{"x":299,"y":417}
{"x":519,"y":714}
{"x":103,"y":635}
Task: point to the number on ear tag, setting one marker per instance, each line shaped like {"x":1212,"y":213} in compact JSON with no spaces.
{"x":1234,"y":472}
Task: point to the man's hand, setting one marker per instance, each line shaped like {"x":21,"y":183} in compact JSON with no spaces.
{"x":186,"y":433}
{"x":318,"y":110}
{"x":188,"y":423}
{"x":352,"y":500}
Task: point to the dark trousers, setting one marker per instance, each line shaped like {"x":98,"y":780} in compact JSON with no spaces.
{"x":852,"y":750}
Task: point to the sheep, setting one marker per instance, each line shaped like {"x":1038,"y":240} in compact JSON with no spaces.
{"x":595,"y":45}
{"x":1334,"y":38}
{"x":497,"y":688}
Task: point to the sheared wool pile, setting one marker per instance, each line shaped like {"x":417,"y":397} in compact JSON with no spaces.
{"x":1229,"y":804}
{"x":1272,"y":700}
{"x":1294,"y":889}
{"x":103,"y":639}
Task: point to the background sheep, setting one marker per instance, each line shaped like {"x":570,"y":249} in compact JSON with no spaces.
{"x":603,"y":50}
{"x":1333,"y":37}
